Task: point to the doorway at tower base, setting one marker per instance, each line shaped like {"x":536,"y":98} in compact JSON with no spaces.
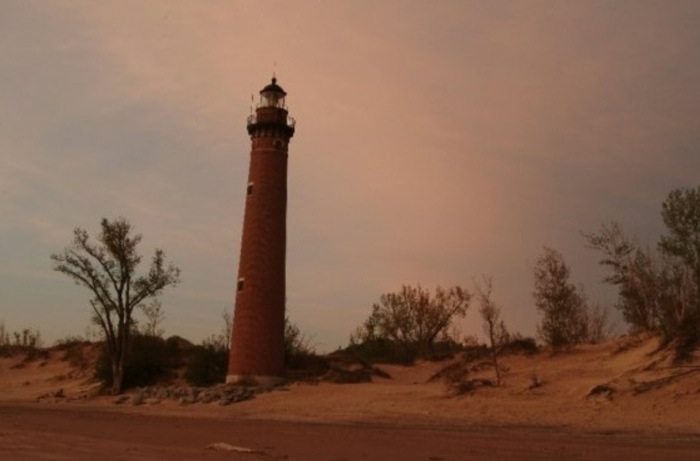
{"x":265,"y":381}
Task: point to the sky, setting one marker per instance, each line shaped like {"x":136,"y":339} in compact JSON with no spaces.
{"x":436,"y":142}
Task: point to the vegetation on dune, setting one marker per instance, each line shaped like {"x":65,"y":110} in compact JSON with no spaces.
{"x":659,"y":289}
{"x":108,"y":270}
{"x":494,"y":327}
{"x":411,"y":323}
{"x":567,"y":318}
{"x":149,"y":359}
{"x":25,"y":340}
{"x":208,"y":362}
{"x":658,"y":293}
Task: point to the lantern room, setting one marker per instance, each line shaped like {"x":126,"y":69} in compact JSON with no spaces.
{"x":272,"y":95}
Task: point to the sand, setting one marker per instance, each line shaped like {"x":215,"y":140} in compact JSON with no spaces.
{"x":642,"y":408}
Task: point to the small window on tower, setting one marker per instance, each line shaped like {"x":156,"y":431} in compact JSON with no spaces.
{"x":277,"y":144}
{"x":240,"y":283}
{"x":250,"y":188}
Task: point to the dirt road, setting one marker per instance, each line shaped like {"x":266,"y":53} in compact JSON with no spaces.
{"x":57,"y":432}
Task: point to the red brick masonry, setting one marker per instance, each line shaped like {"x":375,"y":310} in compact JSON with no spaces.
{"x":257,"y":344}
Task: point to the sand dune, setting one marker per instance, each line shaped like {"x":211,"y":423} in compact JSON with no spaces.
{"x":625,"y":385}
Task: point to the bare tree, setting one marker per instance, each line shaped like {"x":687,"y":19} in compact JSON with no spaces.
{"x":108,"y":271}
{"x":494,"y":327}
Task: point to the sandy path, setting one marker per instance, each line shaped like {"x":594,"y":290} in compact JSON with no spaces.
{"x":41,"y":432}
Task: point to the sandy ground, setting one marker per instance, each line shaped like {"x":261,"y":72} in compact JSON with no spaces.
{"x":76,"y":432}
{"x":648,"y":409}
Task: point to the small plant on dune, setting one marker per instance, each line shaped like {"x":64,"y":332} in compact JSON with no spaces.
{"x":207,"y":363}
{"x":300,"y":358}
{"x":458,"y":377}
{"x":4,"y":339}
{"x":4,"y":334}
{"x":26,"y":340}
{"x":494,"y":327}
{"x":70,"y":340}
{"x":296,"y":343}
{"x":475,"y":358}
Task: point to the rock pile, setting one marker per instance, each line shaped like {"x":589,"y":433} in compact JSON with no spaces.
{"x":223,"y":394}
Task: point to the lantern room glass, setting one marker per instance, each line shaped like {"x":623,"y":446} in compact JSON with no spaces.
{"x":272,"y":98}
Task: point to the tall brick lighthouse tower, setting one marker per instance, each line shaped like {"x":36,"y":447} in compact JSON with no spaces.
{"x":257,"y":342}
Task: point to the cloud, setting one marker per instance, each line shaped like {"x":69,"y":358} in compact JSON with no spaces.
{"x":434,"y":144}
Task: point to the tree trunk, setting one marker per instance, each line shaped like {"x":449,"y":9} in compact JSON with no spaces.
{"x":496,"y":367}
{"x":119,"y":362}
{"x":117,"y":376}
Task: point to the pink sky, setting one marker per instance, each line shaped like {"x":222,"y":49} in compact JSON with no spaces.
{"x":436,"y":142}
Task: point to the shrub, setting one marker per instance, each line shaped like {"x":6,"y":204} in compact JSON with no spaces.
{"x":414,"y":319}
{"x":69,"y":341}
{"x":519,"y":344}
{"x":388,"y":351}
{"x":27,"y":341}
{"x":207,"y":364}
{"x":494,"y":327}
{"x":381,"y":351}
{"x":300,"y":359}
{"x":150,"y":358}
{"x":564,"y":320}
{"x":296,"y":344}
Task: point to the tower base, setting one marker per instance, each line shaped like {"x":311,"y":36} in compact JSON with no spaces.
{"x":265,"y":381}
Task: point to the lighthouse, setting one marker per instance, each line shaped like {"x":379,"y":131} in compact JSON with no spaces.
{"x":257,"y":340}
